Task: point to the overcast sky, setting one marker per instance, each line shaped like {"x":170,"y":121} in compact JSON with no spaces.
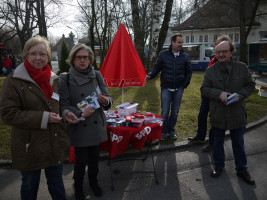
{"x":70,"y":21}
{"x":69,"y":11}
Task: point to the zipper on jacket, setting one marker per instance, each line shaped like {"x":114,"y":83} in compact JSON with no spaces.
{"x":174,"y":67}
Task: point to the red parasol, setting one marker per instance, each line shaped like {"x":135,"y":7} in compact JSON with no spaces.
{"x":122,"y":66}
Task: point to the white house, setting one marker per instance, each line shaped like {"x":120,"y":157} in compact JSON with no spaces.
{"x":215,"y":19}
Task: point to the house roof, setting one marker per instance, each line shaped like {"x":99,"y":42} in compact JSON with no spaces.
{"x":214,"y":14}
{"x":68,"y":41}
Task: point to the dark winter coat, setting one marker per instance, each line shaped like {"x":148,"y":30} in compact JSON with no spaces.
{"x":175,"y":71}
{"x":35,"y":143}
{"x":239,"y":80}
{"x":91,"y":131}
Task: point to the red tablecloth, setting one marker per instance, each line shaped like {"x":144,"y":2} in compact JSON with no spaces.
{"x":120,"y":137}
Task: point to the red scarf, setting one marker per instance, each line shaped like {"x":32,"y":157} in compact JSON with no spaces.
{"x":213,"y":60}
{"x":41,"y":78}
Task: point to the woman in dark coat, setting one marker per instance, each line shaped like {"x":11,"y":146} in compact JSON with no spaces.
{"x":30,"y":104}
{"x":88,"y":128}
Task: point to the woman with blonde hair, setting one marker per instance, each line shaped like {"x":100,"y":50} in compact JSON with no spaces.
{"x":30,"y":104}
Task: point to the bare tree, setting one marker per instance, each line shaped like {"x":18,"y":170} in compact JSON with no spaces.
{"x":24,"y":17}
{"x":20,"y":14}
{"x":245,"y":30}
{"x":40,"y":11}
{"x":91,"y":28}
{"x":155,"y":29}
{"x":140,"y":21}
{"x":165,"y":25}
{"x":102,"y":18}
{"x":159,"y":28}
{"x":97,"y":18}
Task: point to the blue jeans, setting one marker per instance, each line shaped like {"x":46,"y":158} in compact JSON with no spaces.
{"x":202,"y":121}
{"x":170,"y":100}
{"x":237,"y":146}
{"x":31,"y":180}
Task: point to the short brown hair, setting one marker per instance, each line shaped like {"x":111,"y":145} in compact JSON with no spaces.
{"x":77,"y":48}
{"x":34,"y":41}
{"x":175,"y":35}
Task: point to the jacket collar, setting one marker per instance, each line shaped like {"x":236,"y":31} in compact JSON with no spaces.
{"x":180,"y":52}
{"x":82,"y":78}
{"x":21,"y":73}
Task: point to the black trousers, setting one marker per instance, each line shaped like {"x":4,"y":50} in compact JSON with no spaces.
{"x":86,"y":156}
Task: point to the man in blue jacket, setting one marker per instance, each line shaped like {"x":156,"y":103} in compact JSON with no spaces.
{"x":175,"y":67}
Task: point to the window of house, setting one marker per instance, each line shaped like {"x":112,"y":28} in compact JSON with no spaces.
{"x":187,"y":39}
{"x":236,"y":37}
{"x":192,"y":38}
{"x":231,"y":36}
{"x":263,"y":35}
{"x":215,"y":38}
{"x":206,"y":38}
{"x":201,"y":38}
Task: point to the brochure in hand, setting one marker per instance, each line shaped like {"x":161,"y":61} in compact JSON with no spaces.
{"x":231,"y":99}
{"x":90,"y":100}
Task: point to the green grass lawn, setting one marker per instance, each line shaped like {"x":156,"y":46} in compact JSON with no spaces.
{"x":148,"y":98}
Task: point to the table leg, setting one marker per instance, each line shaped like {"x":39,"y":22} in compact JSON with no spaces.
{"x":149,"y":148}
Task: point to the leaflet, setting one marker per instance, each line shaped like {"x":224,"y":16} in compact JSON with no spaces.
{"x":90,"y":100}
{"x":231,"y":99}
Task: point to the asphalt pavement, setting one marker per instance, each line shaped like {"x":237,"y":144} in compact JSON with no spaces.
{"x":183,"y":172}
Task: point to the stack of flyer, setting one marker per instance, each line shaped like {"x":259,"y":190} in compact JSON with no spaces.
{"x":90,"y":100}
{"x":231,"y":99}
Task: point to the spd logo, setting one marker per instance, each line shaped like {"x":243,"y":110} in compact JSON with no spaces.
{"x":144,"y":132}
{"x":114,"y":137}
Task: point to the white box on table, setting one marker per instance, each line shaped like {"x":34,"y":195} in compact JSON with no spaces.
{"x":126,"y":109}
{"x":262,"y":93}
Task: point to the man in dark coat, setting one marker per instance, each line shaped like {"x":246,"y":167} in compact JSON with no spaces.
{"x":227,"y":83}
{"x":175,"y":67}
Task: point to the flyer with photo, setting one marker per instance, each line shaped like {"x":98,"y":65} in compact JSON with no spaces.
{"x":90,"y":100}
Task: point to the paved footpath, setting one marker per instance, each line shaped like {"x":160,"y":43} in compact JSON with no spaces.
{"x":183,"y":173}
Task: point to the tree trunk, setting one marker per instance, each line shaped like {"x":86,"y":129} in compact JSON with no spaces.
{"x":43,"y":22}
{"x":165,"y":25}
{"x":25,"y":32}
{"x":243,"y":38}
{"x":104,"y":34}
{"x":91,"y":30}
{"x":154,"y":33}
{"x":244,"y":31}
{"x":138,"y":30}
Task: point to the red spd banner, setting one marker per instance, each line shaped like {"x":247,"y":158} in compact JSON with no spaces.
{"x":120,"y":137}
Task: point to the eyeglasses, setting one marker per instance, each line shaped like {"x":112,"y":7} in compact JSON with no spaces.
{"x":223,"y":52}
{"x":33,"y":54}
{"x":82,"y":57}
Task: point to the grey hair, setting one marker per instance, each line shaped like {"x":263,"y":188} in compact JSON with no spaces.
{"x":77,"y":48}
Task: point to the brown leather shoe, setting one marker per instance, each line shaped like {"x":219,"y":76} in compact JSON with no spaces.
{"x":207,"y":148}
